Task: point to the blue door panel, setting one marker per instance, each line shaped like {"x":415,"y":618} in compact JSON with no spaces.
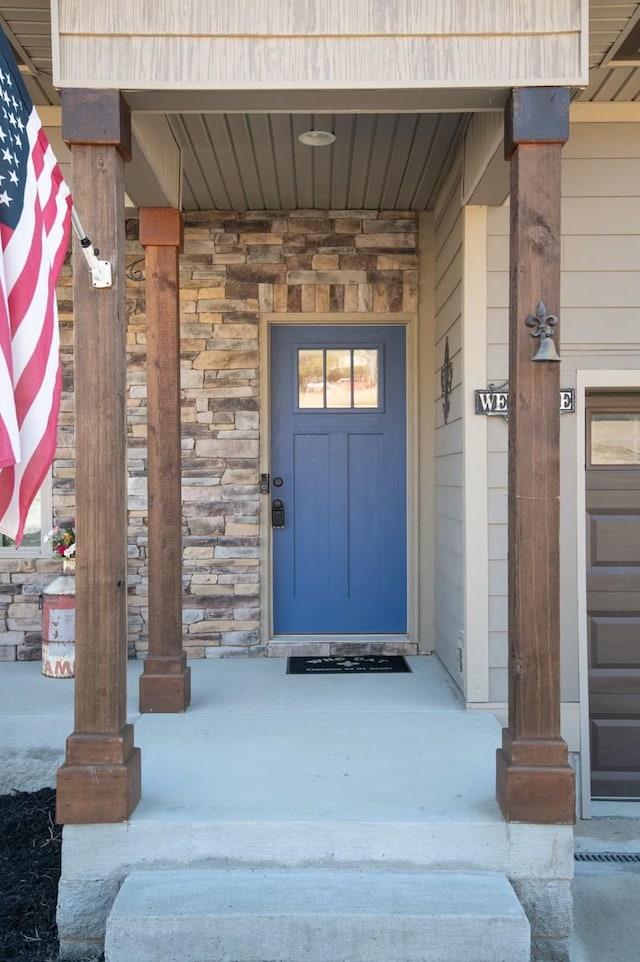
{"x":311,"y":480}
{"x":366,"y":545}
{"x":339,"y":564}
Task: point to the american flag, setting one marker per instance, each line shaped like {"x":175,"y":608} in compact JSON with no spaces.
{"x":35,"y":218}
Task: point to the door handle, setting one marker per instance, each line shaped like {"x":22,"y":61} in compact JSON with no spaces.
{"x":277,"y":513}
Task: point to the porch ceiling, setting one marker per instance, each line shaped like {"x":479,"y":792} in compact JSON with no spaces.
{"x":255,"y":162}
{"x":245,"y":155}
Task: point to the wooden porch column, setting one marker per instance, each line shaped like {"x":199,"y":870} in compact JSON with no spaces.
{"x":535,"y":782}
{"x":100,"y":778}
{"x":165,"y":685}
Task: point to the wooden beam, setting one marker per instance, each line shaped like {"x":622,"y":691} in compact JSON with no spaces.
{"x":535,"y":782}
{"x":165,"y":685}
{"x":536,"y":115}
{"x":97,"y":117}
{"x":100,"y":778}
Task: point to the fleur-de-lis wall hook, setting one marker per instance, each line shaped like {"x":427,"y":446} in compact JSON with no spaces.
{"x":544,"y":324}
{"x":446,"y":381}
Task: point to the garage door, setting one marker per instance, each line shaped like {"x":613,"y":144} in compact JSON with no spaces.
{"x":613,"y":593}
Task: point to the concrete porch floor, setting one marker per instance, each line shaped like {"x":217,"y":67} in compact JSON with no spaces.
{"x":265,"y":769}
{"x":365,"y":746}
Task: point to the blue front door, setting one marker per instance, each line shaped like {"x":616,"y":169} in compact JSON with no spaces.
{"x":338,"y":469}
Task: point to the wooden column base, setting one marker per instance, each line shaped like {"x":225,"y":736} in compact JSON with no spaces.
{"x":100,"y":780}
{"x":165,"y":684}
{"x":534,"y":781}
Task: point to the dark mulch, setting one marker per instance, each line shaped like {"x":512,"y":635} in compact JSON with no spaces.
{"x":30,"y":844}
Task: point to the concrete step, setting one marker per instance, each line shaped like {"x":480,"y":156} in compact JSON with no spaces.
{"x":319,"y":915}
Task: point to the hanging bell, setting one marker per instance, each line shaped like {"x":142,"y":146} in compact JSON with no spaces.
{"x":547,"y":350}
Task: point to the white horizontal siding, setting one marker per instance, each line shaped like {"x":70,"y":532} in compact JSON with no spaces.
{"x":498,"y":613}
{"x":450,"y":435}
{"x":498,"y":648}
{"x":498,"y":685}
{"x":587,"y":140}
{"x":603,"y":329}
{"x":585,"y":216}
{"x":583,"y":177}
{"x":587,"y":288}
{"x":447,"y":315}
{"x":497,"y":578}
{"x":498,"y":545}
{"x":448,"y":472}
{"x":448,"y":503}
{"x":497,"y":363}
{"x":497,"y":506}
{"x":497,"y":467}
{"x":498,"y":288}
{"x":495,"y":326}
{"x":602,"y":252}
{"x":601,"y":239}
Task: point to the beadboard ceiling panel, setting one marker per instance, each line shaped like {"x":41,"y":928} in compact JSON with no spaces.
{"x":255,"y":161}
{"x":607,"y":20}
{"x":609,"y":23}
{"x":245,"y":159}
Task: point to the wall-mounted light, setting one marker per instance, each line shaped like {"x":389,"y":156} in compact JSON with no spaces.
{"x":316,"y":138}
{"x":544,"y":324}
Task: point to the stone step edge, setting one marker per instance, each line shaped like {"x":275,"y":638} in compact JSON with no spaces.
{"x":317,"y":915}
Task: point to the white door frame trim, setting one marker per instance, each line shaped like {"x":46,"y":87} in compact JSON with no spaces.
{"x":475,"y":643}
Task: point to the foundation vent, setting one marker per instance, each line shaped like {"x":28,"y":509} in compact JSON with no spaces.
{"x":607,"y":856}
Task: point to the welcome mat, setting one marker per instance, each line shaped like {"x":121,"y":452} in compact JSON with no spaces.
{"x":346,"y":664}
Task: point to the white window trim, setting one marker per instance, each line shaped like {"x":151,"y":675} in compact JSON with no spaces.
{"x":46,"y":514}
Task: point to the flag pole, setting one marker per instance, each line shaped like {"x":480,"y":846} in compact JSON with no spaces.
{"x":100,"y":270}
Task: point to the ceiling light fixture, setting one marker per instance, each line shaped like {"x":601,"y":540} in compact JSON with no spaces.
{"x":316,"y":138}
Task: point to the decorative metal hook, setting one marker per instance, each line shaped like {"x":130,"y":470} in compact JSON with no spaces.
{"x":131,"y":273}
{"x":446,"y":381}
{"x":544,"y":324}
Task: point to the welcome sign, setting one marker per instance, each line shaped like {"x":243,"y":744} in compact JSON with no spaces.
{"x":495,"y":402}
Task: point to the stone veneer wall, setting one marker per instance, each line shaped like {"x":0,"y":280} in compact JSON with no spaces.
{"x":234,"y":267}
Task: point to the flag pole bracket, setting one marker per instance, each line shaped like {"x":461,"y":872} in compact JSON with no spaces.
{"x":100,"y":270}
